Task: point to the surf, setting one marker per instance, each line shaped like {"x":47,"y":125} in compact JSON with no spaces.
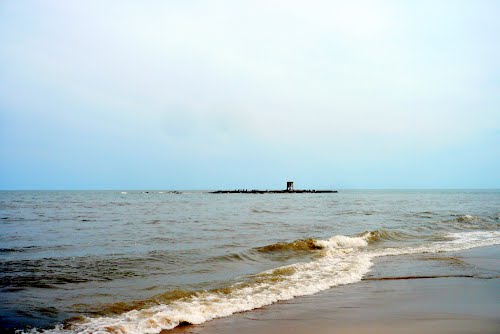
{"x":343,"y":260}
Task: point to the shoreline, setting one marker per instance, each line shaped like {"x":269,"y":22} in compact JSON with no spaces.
{"x":441,"y":300}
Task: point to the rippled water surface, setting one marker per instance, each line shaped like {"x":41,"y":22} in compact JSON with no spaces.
{"x":146,"y":261}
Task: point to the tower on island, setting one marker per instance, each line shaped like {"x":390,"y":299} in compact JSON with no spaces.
{"x":289,"y":186}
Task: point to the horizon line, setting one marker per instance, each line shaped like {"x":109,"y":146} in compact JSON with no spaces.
{"x":178,"y":189}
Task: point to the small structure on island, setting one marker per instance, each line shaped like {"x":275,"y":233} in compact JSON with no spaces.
{"x":289,"y":186}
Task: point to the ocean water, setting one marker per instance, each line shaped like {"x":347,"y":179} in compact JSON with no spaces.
{"x":143,"y":262}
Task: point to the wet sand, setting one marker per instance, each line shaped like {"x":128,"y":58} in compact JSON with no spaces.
{"x":462,"y":297}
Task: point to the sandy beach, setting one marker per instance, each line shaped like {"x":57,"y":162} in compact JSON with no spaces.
{"x":464,"y":299}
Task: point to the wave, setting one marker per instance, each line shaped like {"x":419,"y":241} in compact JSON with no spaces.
{"x":460,"y":223}
{"x":381,"y":235}
{"x":338,"y":241}
{"x":232,"y":257}
{"x":297,"y":245}
{"x":467,"y":222}
{"x":10,"y":250}
{"x":398,"y":278}
{"x":344,"y":260}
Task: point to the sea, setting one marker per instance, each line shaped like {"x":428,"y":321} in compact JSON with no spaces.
{"x":149,"y":261}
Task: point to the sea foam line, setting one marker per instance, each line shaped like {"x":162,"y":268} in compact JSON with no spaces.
{"x":344,"y":261}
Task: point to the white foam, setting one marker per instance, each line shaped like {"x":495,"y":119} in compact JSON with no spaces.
{"x":308,"y":279}
{"x":344,"y":262}
{"x":460,"y":241}
{"x":341,"y":241}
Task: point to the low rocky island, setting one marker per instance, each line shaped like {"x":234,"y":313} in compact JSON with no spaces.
{"x":289,"y":190}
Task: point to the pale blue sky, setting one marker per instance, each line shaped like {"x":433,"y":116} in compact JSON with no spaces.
{"x":232,"y":94}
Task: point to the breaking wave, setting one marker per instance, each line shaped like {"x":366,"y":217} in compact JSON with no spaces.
{"x":338,"y":241}
{"x":343,"y":260}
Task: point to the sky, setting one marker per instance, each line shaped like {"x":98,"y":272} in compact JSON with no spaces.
{"x":249,"y":94}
